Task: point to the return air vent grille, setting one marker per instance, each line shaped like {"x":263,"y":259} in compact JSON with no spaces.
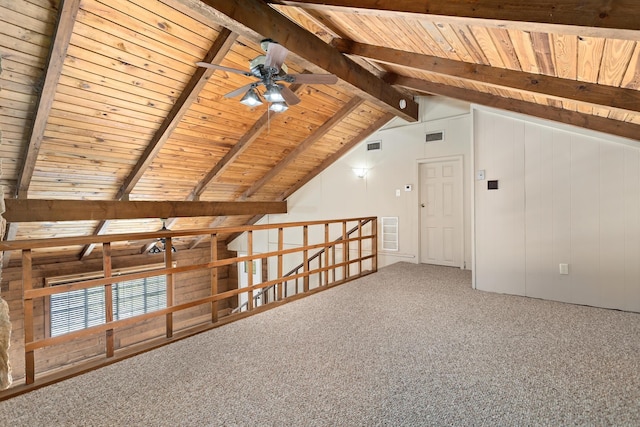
{"x":389,"y":233}
{"x":435,"y":136}
{"x":375,"y":145}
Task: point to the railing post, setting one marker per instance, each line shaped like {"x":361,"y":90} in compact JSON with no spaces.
{"x":333,"y":263}
{"x":326,"y":254}
{"x":168,"y":263}
{"x":374,"y":244}
{"x":214,"y":277}
{"x":250,"y":270}
{"x":27,"y":285}
{"x":108,"y":298}
{"x":280,"y":265}
{"x":305,"y":258}
{"x":359,"y":247}
{"x":320,"y":268}
{"x":269,"y":293}
{"x":345,"y":251}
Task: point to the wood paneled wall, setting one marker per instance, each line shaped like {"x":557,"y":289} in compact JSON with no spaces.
{"x":188,"y":286}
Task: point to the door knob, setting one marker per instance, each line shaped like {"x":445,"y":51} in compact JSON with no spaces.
{"x":422,"y":205}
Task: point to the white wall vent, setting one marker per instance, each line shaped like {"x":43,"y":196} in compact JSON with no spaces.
{"x":389,"y":233}
{"x":374,"y":145}
{"x":435,"y":136}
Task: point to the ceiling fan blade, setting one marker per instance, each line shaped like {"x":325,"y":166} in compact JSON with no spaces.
{"x":289,"y":96}
{"x":276,"y":55}
{"x":240,"y":91}
{"x":221,"y":68}
{"x":325,"y":79}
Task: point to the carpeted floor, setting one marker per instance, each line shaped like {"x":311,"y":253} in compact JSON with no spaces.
{"x":412,"y":345}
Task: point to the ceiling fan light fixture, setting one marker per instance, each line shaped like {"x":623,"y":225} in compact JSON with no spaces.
{"x":278,"y":107}
{"x":251,"y":98}
{"x":161,"y":243}
{"x":273,"y":94}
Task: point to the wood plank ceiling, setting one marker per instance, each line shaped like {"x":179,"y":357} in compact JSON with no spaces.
{"x":102,"y":100}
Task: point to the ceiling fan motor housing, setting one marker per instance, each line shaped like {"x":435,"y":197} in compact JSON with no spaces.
{"x":257,"y":67}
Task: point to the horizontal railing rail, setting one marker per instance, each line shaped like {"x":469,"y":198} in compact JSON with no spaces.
{"x":11,"y":245}
{"x":292,"y":273}
{"x":333,"y":270}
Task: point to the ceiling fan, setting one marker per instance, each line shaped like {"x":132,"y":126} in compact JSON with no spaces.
{"x":270,"y":71}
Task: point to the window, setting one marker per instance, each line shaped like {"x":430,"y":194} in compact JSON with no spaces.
{"x":139,"y":296}
{"x":76,"y":310}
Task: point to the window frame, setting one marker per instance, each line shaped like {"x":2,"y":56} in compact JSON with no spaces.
{"x":118,"y":311}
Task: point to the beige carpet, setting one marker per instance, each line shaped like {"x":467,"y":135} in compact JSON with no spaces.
{"x":411,"y":345}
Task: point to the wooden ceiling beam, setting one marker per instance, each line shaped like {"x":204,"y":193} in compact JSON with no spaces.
{"x":587,"y":121}
{"x":591,"y":93}
{"x":347,"y":109}
{"x":57,"y":54}
{"x":596,"y":18}
{"x":374,"y":127}
{"x":238,"y":148}
{"x":101,"y":228}
{"x":259,"y":17}
{"x":221,"y":46}
{"x":37,"y":210}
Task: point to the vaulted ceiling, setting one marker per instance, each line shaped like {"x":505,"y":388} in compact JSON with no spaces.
{"x":103,"y":100}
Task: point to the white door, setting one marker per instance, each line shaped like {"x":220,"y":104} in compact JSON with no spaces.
{"x":441,"y":221}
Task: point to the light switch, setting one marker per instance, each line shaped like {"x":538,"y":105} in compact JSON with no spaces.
{"x":480,"y":175}
{"x":564,"y":268}
{"x":397,"y":193}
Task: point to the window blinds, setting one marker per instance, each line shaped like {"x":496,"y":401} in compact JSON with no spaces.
{"x":76,"y":310}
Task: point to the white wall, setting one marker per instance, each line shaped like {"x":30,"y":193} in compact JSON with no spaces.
{"x":338,"y":193}
{"x":565,"y":196}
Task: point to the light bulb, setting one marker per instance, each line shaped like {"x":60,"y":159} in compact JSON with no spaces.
{"x":251,"y":98}
{"x":273,"y":94}
{"x":278,"y":107}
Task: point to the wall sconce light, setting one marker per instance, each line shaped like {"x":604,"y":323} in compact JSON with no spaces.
{"x":360,"y":172}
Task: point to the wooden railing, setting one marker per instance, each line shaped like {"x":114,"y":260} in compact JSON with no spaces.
{"x":341,"y":267}
{"x":269,"y":293}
